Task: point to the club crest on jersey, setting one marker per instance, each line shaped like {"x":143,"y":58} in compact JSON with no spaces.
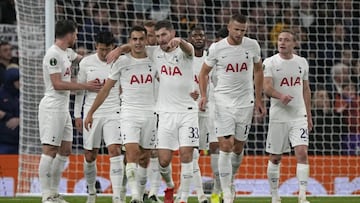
{"x":141,"y":79}
{"x":172,"y":71}
{"x":53,"y":61}
{"x":291,"y":81}
{"x":236,"y":68}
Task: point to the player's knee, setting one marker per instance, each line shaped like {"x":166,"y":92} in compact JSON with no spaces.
{"x":65,"y":152}
{"x":90,"y":156}
{"x":164,"y":162}
{"x":214,"y":148}
{"x":275,"y":159}
{"x":114,"y":150}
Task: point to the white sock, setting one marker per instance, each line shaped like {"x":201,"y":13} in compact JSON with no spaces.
{"x":57,"y":169}
{"x":131,"y":174}
{"x":273,"y":173}
{"x":186,"y":177}
{"x":116,"y":175}
{"x":45,"y":175}
{"x":215,"y":170}
{"x":90,"y":171}
{"x":302,"y":174}
{"x":154,"y":176}
{"x":142,"y":178}
{"x":236,"y":160}
{"x":197,"y":180}
{"x":225,"y":172}
{"x":166,"y":174}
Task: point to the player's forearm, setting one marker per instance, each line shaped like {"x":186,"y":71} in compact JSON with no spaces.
{"x":125,"y":48}
{"x":100,"y":98}
{"x":271,"y":92}
{"x":307,"y":100}
{"x":79,"y":98}
{"x":203,"y":81}
{"x":186,"y":47}
{"x":259,"y":83}
{"x":63,"y":85}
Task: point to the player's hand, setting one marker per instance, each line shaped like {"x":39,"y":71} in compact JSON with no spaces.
{"x":202,"y":103}
{"x":2,"y":114}
{"x":88,"y":121}
{"x":113,"y":55}
{"x":13,"y":123}
{"x":79,"y":124}
{"x":285,"y":99}
{"x":175,"y":42}
{"x":195,"y":95}
{"x":260,"y":108}
{"x":93,"y":85}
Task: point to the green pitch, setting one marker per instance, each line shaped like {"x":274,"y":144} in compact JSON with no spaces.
{"x":72,"y":199}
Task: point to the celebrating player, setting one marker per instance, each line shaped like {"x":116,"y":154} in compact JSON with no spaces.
{"x":138,"y":121}
{"x":106,"y":122}
{"x":236,"y":60}
{"x":56,"y":130}
{"x":286,"y":83}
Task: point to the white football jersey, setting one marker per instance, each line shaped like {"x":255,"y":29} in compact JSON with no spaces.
{"x":176,"y":80}
{"x":136,"y":77}
{"x":234,"y":65}
{"x":92,"y":68}
{"x":287,"y":77}
{"x":57,"y":60}
{"x":197,"y":65}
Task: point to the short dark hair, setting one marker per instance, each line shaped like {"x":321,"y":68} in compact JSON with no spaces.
{"x":164,"y":24}
{"x":197,"y":28}
{"x":63,"y":27}
{"x":137,"y":28}
{"x":239,"y":18}
{"x":149,"y":23}
{"x":3,"y":43}
{"x":105,"y":37}
{"x":223,"y":32}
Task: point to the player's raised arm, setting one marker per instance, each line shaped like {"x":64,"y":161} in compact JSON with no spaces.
{"x":185,"y":46}
{"x":203,"y":82}
{"x":100,"y":98}
{"x":114,"y":54}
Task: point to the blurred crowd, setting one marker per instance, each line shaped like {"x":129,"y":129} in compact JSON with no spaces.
{"x":328,"y":36}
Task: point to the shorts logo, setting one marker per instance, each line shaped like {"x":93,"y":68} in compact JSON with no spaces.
{"x":53,"y":61}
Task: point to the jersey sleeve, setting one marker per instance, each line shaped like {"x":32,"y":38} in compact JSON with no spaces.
{"x":51,"y":62}
{"x":257,"y":54}
{"x":71,"y":54}
{"x":210,"y":58}
{"x":267,"y":66}
{"x":115,"y":71}
{"x":306,"y":67}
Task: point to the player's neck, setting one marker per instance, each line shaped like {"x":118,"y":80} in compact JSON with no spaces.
{"x":199,"y":52}
{"x":286,"y":56}
{"x":232,"y":42}
{"x":138,"y":55}
{"x":61,"y":44}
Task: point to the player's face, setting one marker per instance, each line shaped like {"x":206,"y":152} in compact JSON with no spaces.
{"x":102,"y":50}
{"x":286,"y":43}
{"x":197,"y":39}
{"x":138,"y":41}
{"x":151,"y":38}
{"x":237,"y":31}
{"x":163,"y":37}
{"x":72,"y":37}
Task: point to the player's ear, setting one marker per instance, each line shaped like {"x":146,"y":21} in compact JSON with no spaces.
{"x":173,"y":33}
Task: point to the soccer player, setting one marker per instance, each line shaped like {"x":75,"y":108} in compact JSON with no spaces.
{"x":236,"y":60}
{"x":286,"y":83}
{"x":106,"y":122}
{"x":138,"y":120}
{"x":154,"y":176}
{"x":178,"y":112}
{"x":56,"y":130}
{"x":197,"y":38}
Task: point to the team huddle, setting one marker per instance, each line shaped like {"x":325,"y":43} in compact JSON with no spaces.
{"x":158,"y":94}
